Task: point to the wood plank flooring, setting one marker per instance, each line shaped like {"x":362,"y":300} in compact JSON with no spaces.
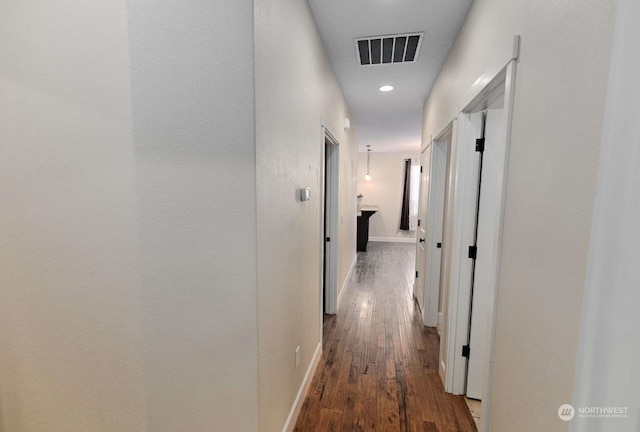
{"x":379,"y":368}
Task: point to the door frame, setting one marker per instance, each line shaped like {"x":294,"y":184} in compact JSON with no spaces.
{"x":479,"y":97}
{"x":434,"y":222}
{"x":330,"y":172}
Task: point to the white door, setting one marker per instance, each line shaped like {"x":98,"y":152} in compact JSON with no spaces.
{"x":437,"y":219}
{"x":418,"y":287}
{"x":489,"y":203}
{"x":330,"y":221}
{"x":441,"y":262}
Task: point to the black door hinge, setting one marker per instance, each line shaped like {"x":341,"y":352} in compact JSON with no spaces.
{"x":420,"y":168}
{"x":466,"y":351}
{"x":480,"y":144}
{"x":416,"y":274}
{"x":419,"y":222}
{"x":473,"y":252}
{"x":328,"y":239}
{"x":439,"y":245}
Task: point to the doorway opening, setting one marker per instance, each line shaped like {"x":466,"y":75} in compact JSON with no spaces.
{"x":330,"y":228}
{"x":433,"y":215}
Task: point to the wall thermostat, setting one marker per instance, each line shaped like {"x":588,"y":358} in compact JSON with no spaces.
{"x":305,"y":194}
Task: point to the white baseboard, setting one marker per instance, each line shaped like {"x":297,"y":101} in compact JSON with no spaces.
{"x":302,"y":392}
{"x":443,"y":372}
{"x":393,"y":239}
{"x":347,"y":279}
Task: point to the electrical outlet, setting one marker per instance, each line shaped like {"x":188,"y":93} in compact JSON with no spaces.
{"x":297,"y":356}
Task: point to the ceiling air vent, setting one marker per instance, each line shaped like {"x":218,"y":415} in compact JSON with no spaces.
{"x":388,"y":49}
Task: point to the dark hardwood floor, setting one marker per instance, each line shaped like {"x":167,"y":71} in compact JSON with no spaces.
{"x":379,"y":368}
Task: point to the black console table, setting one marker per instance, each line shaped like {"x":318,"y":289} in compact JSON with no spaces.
{"x":364,"y":213}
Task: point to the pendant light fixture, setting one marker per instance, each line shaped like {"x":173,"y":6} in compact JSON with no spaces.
{"x":367,"y":177}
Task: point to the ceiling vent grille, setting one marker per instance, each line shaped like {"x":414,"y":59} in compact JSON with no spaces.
{"x":377,"y":50}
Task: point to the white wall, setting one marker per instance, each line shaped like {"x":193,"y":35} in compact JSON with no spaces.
{"x":70,"y":297}
{"x":295,"y":90}
{"x":385,"y":190}
{"x":128,"y":298}
{"x":607,"y":370}
{"x":557,"y":121}
{"x":129,"y":294}
{"x":192,"y":80}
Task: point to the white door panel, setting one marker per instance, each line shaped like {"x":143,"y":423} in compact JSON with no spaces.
{"x":483,"y":278}
{"x":418,"y":288}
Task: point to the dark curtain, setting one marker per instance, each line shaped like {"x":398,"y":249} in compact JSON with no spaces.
{"x":406,"y":194}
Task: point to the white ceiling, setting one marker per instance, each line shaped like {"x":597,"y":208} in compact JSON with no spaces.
{"x":388,"y":121}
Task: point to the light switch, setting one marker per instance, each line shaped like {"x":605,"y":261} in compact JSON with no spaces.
{"x":305,"y":194}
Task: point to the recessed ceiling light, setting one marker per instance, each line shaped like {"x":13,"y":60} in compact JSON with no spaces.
{"x":386,"y":88}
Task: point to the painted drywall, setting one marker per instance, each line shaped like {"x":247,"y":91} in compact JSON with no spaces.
{"x":70,"y":297}
{"x":606,"y":371}
{"x":195,"y":173}
{"x":130,"y":210}
{"x":385,"y":190}
{"x":296,"y":92}
{"x":557,"y":122}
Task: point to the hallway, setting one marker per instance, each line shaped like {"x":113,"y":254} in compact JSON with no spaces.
{"x":379,"y":369}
